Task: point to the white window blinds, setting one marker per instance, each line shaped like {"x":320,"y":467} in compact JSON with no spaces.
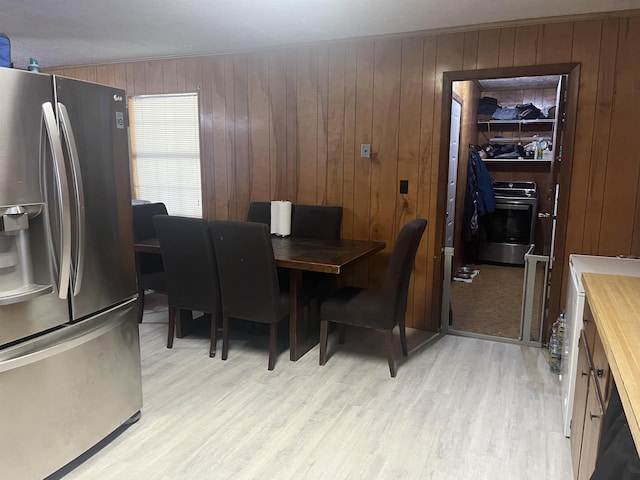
{"x":165,"y":151}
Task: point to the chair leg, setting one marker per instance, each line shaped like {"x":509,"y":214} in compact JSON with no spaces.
{"x":214,"y":334}
{"x":172,"y":327}
{"x":273,"y":338}
{"x":140,"y":304}
{"x":324,"y":336}
{"x":343,"y":333}
{"x":403,"y":340}
{"x":388,"y":343}
{"x":225,"y":337}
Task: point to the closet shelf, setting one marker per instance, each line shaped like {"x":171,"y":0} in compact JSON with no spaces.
{"x":519,"y":160}
{"x":524,"y":140}
{"x":516,"y":122}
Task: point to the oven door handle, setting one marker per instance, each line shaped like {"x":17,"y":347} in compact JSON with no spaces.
{"x":513,"y":206}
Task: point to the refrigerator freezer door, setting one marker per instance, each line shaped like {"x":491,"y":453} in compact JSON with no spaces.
{"x":62,"y":393}
{"x":29,"y":250}
{"x":22,"y":95}
{"x":103,"y":271}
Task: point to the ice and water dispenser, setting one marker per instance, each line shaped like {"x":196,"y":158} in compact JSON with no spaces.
{"x":24,"y":263}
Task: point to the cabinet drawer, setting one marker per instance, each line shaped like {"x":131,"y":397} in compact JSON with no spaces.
{"x":601,"y":369}
{"x":592,"y":428}
{"x":589,"y":327}
{"x":579,"y":404}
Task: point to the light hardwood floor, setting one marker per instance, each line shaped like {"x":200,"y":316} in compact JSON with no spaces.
{"x":460,"y":408}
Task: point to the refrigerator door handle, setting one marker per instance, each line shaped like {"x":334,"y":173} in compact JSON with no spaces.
{"x":78,"y":191}
{"x":63,"y":263}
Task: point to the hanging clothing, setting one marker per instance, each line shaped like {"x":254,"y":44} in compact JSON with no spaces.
{"x":479,"y":198}
{"x":486,"y":197}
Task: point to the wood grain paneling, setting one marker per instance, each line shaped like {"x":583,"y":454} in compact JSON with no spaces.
{"x":507,"y":46}
{"x":220,"y":196}
{"x":599,"y":141}
{"x":409,"y":139}
{"x":587,"y":41}
{"x":384,"y":152}
{"x":428,"y":151}
{"x":621,"y":184}
{"x":287,"y":123}
{"x":362,"y":166}
{"x":525,"y":45}
{"x":336,"y":123}
{"x":278,"y":124}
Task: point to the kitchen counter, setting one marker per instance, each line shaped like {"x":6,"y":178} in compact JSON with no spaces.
{"x":615,"y":304}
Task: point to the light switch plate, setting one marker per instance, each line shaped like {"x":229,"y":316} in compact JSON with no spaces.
{"x":365,"y":150}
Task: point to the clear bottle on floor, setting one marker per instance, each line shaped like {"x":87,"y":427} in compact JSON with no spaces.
{"x":554,"y":348}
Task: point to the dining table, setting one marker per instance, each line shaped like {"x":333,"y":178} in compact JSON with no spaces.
{"x":298,"y":255}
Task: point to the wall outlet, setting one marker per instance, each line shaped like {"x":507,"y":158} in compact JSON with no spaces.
{"x":365,"y":150}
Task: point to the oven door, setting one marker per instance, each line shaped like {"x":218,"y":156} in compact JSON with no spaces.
{"x":508,"y":232}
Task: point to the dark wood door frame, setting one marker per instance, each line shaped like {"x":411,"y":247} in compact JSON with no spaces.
{"x":572,"y":70}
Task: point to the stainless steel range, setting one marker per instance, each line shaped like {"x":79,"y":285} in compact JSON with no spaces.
{"x":510,"y":230}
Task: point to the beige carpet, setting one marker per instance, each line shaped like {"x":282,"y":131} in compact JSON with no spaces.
{"x":492,"y":303}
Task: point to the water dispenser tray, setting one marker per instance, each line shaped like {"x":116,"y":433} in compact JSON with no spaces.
{"x":8,"y":259}
{"x":24,"y":293}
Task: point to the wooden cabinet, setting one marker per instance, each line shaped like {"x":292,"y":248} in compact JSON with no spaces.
{"x":592,"y":388}
{"x":579,"y":403}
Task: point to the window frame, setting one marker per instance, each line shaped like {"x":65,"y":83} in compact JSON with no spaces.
{"x":133,"y":160}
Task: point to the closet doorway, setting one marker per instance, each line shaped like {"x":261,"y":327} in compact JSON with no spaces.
{"x":506,"y":199}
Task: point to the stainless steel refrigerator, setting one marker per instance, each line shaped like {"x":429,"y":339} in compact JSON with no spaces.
{"x":69,"y":345}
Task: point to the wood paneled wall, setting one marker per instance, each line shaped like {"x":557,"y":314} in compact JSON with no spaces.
{"x":287,"y":123}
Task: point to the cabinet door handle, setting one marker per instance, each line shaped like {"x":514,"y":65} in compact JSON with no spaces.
{"x":584,"y":374}
{"x":593,"y":415}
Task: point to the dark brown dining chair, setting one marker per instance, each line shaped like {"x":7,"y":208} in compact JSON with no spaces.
{"x":248,"y":279}
{"x":320,"y":222}
{"x":259,"y":212}
{"x":149,"y":266}
{"x":190,"y":269}
{"x":380,"y":310}
{"x":316,"y":221}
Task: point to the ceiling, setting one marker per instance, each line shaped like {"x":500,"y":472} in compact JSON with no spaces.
{"x":541,"y":81}
{"x":74,"y":32}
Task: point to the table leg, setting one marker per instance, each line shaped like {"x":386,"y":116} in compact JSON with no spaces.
{"x":303,"y":336}
{"x":184,"y":323}
{"x":296,"y":314}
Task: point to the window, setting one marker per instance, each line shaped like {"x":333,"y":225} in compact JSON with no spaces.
{"x":165,"y":151}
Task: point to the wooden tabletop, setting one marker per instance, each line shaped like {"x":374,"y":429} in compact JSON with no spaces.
{"x":328,"y":256}
{"x":615,"y":303}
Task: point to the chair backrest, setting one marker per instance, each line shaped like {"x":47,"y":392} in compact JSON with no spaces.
{"x":396,"y":281}
{"x":316,"y":221}
{"x":247,"y":269}
{"x":191,"y":271}
{"x":143,"y":213}
{"x":259,"y":212}
{"x":143,"y":229}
